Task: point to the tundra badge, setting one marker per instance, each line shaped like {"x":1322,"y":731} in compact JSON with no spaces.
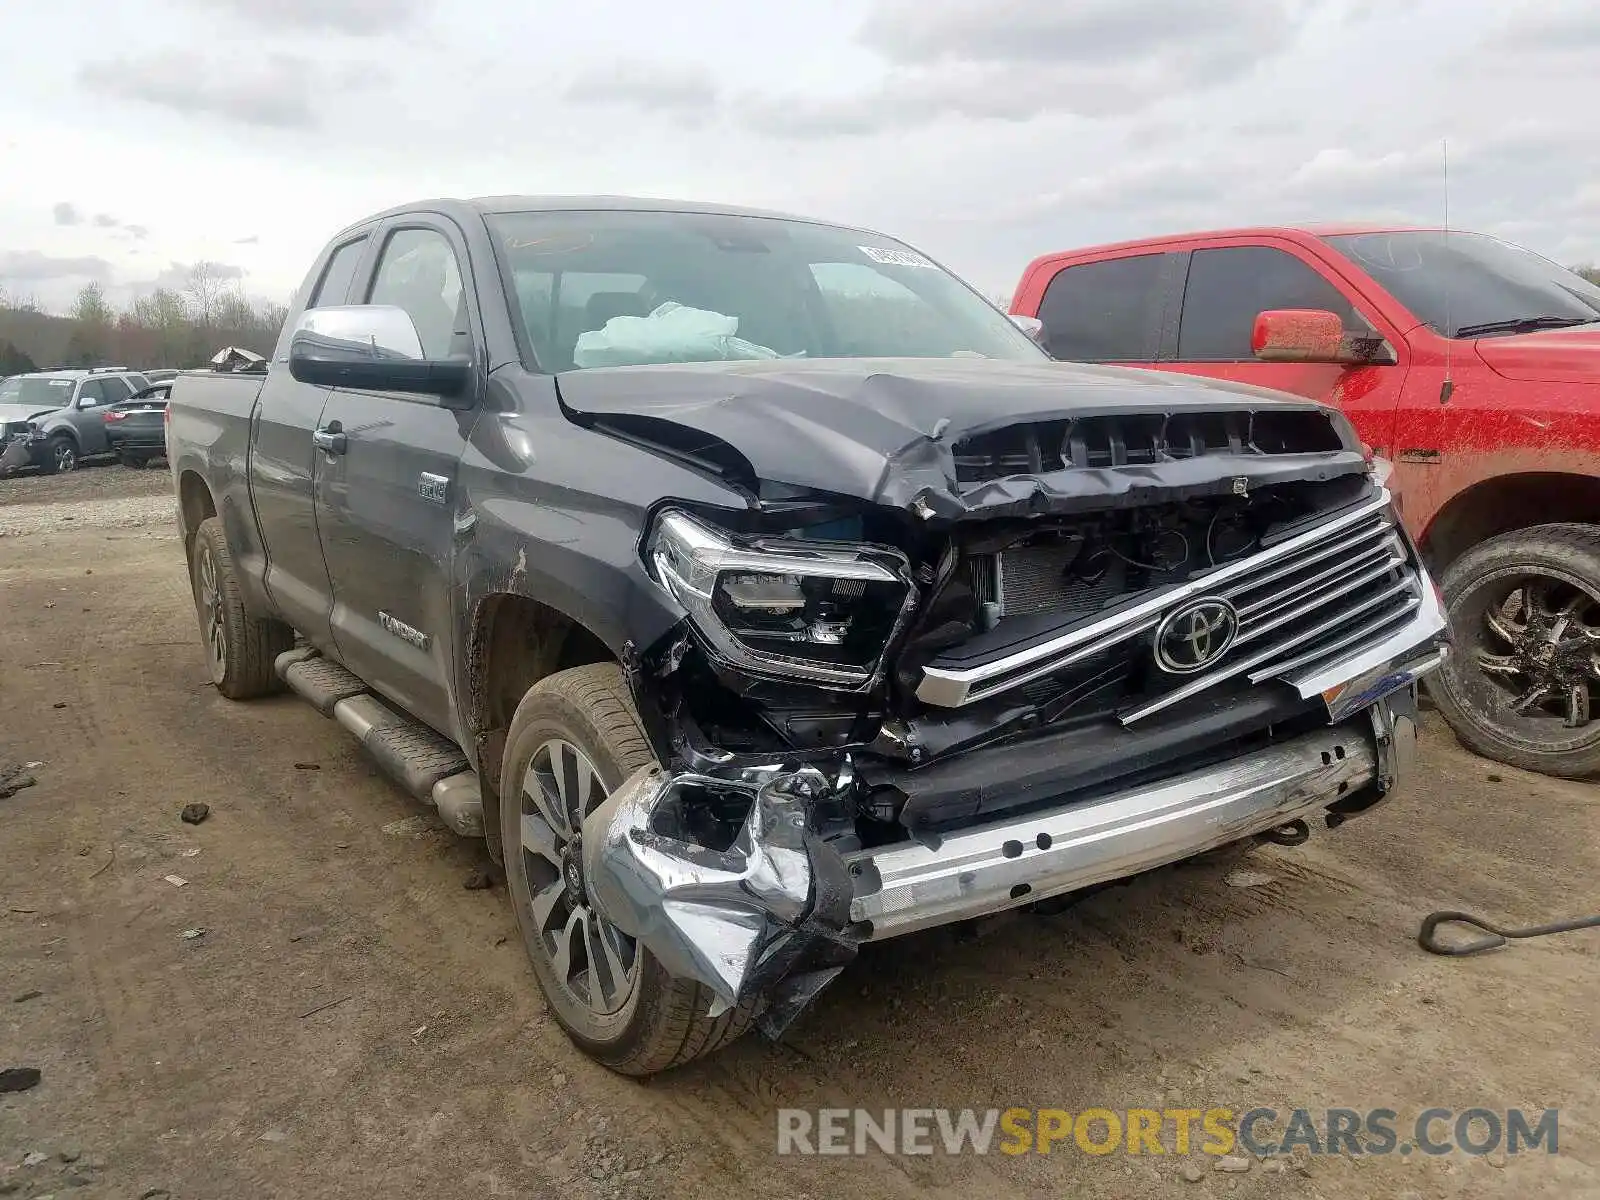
{"x":403,"y":631}
{"x":433,"y":488}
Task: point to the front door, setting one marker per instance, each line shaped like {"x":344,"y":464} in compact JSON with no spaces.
{"x":1228,"y":286}
{"x":387,"y":490}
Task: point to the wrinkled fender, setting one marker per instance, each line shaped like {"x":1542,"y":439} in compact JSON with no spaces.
{"x":57,"y":422}
{"x":553,"y":512}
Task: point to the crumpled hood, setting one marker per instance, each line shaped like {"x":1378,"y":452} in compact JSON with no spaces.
{"x":1553,"y":356}
{"x":24,"y":412}
{"x":882,"y":429}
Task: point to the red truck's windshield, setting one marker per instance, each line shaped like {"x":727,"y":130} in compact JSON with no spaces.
{"x":1470,"y":284}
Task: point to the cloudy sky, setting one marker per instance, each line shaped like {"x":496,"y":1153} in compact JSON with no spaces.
{"x":141,"y":136}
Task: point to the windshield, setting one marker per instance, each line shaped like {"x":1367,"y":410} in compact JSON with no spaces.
{"x":1470,"y":279}
{"x":598,"y":288}
{"x":36,"y":393}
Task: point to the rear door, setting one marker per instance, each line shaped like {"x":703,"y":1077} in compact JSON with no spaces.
{"x":387,"y":499}
{"x":1226,"y":286}
{"x":1110,"y":310}
{"x":282,"y":457}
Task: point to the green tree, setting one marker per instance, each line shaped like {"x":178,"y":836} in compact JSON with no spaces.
{"x":94,"y":319}
{"x":1592,"y":274}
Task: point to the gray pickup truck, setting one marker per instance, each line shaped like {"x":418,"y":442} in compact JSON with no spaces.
{"x":759,"y":590}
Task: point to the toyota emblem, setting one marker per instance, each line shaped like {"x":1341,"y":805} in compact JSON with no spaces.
{"x":1196,"y":635}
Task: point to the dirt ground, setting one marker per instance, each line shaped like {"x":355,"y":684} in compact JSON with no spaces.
{"x":353,"y":1022}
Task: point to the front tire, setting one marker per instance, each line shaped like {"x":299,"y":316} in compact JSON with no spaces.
{"x":1525,"y":613}
{"x":575,"y":737}
{"x":60,"y":454}
{"x":239,"y":648}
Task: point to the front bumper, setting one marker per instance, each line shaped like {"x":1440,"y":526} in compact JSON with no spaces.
{"x":779,"y":912}
{"x":914,"y":885}
{"x":23,"y":450}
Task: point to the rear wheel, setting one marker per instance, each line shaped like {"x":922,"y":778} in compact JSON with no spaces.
{"x":574,"y":738}
{"x":1525,"y":613}
{"x":239,"y":648}
{"x":136,"y":462}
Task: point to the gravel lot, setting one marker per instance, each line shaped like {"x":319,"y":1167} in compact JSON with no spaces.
{"x":94,"y":496}
{"x":352,"y":1022}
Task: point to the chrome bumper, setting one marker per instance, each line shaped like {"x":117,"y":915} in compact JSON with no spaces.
{"x":912,"y":886}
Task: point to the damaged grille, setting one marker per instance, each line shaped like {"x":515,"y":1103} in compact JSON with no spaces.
{"x":1141,"y":439}
{"x":1308,"y":598}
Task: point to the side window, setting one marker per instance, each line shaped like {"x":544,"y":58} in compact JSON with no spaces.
{"x":334,"y":286}
{"x":115,"y":389}
{"x":1104,"y":311}
{"x":419,"y":273}
{"x":91,"y":393}
{"x":1229,"y":286}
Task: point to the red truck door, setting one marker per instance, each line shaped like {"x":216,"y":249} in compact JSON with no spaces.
{"x":1201,"y":320}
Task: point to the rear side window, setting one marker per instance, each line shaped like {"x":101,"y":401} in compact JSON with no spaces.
{"x":334,"y":286}
{"x":1104,"y":311}
{"x":1228,"y":287}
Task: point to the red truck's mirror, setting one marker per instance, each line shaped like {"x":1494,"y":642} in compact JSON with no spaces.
{"x":1313,"y":335}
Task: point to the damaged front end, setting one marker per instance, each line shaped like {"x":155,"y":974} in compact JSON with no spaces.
{"x":882,"y":713}
{"x":763,"y":916}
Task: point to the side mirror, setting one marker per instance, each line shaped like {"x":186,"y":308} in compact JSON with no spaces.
{"x":89,"y":401}
{"x":1314,"y":335}
{"x":1031,"y":326}
{"x":372,"y":347}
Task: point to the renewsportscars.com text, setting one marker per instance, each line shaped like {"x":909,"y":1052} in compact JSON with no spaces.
{"x":1151,"y":1131}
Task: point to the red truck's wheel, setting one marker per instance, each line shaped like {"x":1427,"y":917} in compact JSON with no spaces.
{"x":239,"y":648}
{"x":575,"y":737}
{"x":1525,"y":613}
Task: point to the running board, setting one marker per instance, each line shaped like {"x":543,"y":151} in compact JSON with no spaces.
{"x":425,"y":763}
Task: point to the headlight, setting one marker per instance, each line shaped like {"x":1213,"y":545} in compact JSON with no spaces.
{"x":816,"y":611}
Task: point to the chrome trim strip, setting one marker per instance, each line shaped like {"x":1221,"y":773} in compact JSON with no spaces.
{"x":1330,"y":649}
{"x":973,"y":872}
{"x":1429,"y":622}
{"x":1269,"y":605}
{"x":1346,"y":586}
{"x":952,"y":688}
{"x":1342,"y":546}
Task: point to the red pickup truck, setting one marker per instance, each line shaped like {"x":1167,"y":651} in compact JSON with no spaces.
{"x":1472,"y":364}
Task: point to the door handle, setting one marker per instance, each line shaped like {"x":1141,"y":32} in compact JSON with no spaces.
{"x":330,"y":438}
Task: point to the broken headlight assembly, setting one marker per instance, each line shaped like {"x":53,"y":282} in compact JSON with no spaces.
{"x":821,"y":612}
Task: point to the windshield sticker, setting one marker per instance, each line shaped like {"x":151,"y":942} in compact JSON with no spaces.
{"x":892,"y":257}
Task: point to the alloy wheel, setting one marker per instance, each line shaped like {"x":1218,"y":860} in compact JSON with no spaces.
{"x":593,"y":961}
{"x":1534,"y":639}
{"x":212,"y":624}
{"x":66,"y":455}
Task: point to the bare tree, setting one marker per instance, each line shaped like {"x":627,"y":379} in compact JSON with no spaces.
{"x":205,"y":286}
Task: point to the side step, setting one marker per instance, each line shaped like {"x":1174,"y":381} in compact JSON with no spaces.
{"x":426,"y":764}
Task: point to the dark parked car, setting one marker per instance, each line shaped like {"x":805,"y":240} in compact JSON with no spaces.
{"x":136,"y":428}
{"x":60,"y":415}
{"x":760,"y":590}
